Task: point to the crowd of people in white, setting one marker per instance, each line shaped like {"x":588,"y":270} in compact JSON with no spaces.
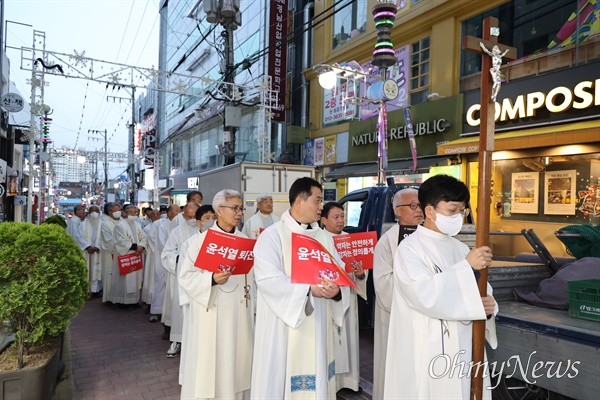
{"x":261,"y":336}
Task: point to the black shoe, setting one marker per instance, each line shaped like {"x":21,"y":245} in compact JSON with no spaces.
{"x":166,"y":333}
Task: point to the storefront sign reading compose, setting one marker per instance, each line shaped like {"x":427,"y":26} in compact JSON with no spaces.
{"x":561,"y":98}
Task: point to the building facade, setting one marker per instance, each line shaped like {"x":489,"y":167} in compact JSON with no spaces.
{"x":547,"y":110}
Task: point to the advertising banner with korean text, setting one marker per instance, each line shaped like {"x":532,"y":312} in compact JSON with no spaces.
{"x":356,"y":249}
{"x":314,"y":265}
{"x":129,"y":263}
{"x":222,"y":252}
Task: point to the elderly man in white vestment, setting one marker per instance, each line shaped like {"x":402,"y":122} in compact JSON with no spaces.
{"x":90,"y":230}
{"x":129,"y":238}
{"x":408,"y":210}
{"x":74,"y":228}
{"x":149,"y":259}
{"x":435,"y":301}
{"x":263,"y":218}
{"x":108,"y":253}
{"x":219,"y":332}
{"x":347,"y":352}
{"x":170,"y":260}
{"x":294,"y":355}
{"x":194,"y":196}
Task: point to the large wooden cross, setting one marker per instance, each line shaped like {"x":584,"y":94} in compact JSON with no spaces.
{"x":486,"y":147}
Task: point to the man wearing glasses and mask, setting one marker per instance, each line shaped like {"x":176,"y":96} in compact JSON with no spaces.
{"x":435,"y":299}
{"x":408,"y":210}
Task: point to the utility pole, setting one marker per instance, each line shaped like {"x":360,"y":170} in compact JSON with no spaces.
{"x":227,"y":14}
{"x":103,"y":133}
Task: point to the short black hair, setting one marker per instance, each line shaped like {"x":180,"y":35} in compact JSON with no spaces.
{"x":78,"y":207}
{"x":303,"y":187}
{"x":192,"y":193}
{"x":163,"y":207}
{"x":442,"y":188}
{"x":328,"y":206}
{"x":147,"y":210}
{"x":203,"y":210}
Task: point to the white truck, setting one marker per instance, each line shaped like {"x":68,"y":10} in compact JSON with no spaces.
{"x":252,"y":179}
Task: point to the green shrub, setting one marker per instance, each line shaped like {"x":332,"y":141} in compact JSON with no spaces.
{"x":56,"y":219}
{"x":43,"y":281}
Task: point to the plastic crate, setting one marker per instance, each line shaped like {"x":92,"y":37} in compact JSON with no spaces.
{"x":584,"y":299}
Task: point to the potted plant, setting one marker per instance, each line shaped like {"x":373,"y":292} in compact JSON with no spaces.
{"x":43,"y":284}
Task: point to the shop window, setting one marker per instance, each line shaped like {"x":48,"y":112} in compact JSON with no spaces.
{"x":349,"y":21}
{"x":419,"y":71}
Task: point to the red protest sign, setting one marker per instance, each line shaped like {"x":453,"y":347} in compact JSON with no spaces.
{"x":313,"y":264}
{"x":356,"y":249}
{"x":223,"y":252}
{"x":129,"y":263}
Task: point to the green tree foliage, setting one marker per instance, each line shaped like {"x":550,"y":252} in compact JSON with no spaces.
{"x":43,"y":281}
{"x":56,"y":219}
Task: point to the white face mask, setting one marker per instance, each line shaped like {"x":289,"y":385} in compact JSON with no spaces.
{"x":208,"y":224}
{"x":191,"y":223}
{"x":449,"y":225}
{"x":116,"y":214}
{"x":131,"y":218}
{"x":94,"y":215}
{"x":163,"y":216}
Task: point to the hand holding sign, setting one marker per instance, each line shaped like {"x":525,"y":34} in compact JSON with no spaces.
{"x":356,"y":251}
{"x":313,"y":264}
{"x":225,"y":255}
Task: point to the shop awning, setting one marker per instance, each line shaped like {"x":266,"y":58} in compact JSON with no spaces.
{"x":544,"y":136}
{"x":394,"y":167}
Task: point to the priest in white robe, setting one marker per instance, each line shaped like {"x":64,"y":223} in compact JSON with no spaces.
{"x":194,"y":196}
{"x":129,"y":238}
{"x":149,"y":258}
{"x":293,"y":348}
{"x":108,"y":253}
{"x":170,"y":259}
{"x":160,"y":274}
{"x":219,"y":332}
{"x":347,"y":351}
{"x":435,"y":301}
{"x":90,"y":230}
{"x":74,"y":227}
{"x":263,"y":218}
{"x":408,"y":210}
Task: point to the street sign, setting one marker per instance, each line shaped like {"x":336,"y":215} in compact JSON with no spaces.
{"x":20,"y":200}
{"x":12,"y":102}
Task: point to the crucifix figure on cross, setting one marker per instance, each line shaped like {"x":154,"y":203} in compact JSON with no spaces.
{"x":495,"y":70}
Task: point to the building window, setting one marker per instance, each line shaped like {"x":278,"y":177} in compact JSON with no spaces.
{"x":532,"y":27}
{"x":349,"y":21}
{"x":419,"y":71}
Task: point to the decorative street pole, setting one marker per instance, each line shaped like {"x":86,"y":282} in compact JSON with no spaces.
{"x":486,"y":147}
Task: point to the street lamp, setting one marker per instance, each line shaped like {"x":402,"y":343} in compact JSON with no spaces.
{"x":35,"y":111}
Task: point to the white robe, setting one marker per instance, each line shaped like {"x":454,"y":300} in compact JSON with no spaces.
{"x":108,"y":256}
{"x":160,"y":274}
{"x":219,"y":331}
{"x":435,"y":300}
{"x":90,"y":230}
{"x":127,"y":289}
{"x":74,"y":229}
{"x":347,"y":350}
{"x":149,"y":263}
{"x":256,"y":222}
{"x":383,"y":282}
{"x":286,"y":338}
{"x":172,"y":312}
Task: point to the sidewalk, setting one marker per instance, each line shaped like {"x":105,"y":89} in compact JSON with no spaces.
{"x":116,"y":354}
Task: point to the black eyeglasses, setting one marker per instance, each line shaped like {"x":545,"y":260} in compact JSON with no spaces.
{"x":236,"y":209}
{"x":413,"y":206}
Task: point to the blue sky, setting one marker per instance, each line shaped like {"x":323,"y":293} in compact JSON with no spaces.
{"x":122,"y":31}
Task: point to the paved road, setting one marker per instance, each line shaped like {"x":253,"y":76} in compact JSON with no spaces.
{"x":117,"y":354}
